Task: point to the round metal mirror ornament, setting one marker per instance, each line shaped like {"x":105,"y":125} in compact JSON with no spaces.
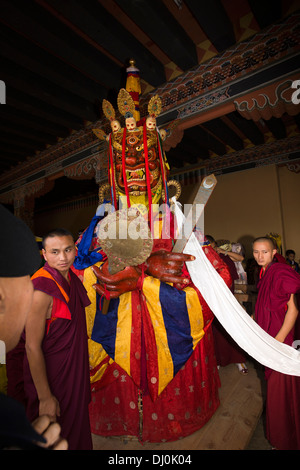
{"x":125,"y":238}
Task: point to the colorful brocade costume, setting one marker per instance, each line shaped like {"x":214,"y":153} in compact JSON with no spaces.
{"x":152,"y":361}
{"x":152,"y":364}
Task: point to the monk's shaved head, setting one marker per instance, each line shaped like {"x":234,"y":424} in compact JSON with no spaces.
{"x":265,"y":239}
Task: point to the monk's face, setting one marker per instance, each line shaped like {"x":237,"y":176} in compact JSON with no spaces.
{"x":60,"y":253}
{"x":263,"y":252}
{"x":291,"y":257}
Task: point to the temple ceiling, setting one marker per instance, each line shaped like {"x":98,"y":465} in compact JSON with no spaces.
{"x":225,"y":70}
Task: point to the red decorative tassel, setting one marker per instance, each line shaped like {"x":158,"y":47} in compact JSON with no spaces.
{"x":112,"y":173}
{"x":148,"y":176}
{"x":123,"y":167}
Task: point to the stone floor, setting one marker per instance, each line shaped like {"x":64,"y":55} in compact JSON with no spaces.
{"x":238,"y":424}
{"x":258,"y":440}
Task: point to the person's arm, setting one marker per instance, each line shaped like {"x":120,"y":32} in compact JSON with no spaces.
{"x":35,"y":330}
{"x":235,"y":256}
{"x":289,"y":319}
{"x":232,"y":255}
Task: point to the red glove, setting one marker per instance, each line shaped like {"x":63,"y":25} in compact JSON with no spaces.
{"x":167,"y":267}
{"x":113,"y":285}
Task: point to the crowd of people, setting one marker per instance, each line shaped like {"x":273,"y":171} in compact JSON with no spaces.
{"x":42,"y":319}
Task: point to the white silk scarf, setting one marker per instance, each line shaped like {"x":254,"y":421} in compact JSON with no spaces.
{"x":236,"y":321}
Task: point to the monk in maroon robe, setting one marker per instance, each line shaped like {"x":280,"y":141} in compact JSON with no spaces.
{"x":56,"y":370}
{"x":276,"y":312}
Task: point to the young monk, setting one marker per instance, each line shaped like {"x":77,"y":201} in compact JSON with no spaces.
{"x":57,"y":379}
{"x":276,"y":312}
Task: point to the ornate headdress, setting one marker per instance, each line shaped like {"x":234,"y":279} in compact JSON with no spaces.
{"x":125,"y":103}
{"x":154,"y":106}
{"x":148,"y":142}
{"x":137,"y":166}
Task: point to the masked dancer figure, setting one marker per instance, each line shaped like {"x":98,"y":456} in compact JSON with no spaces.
{"x":152,"y":363}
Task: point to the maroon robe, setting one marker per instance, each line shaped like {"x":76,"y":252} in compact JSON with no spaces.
{"x":283,"y":391}
{"x":66,"y":356}
{"x":14,"y":372}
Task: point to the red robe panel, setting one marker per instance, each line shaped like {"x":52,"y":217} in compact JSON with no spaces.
{"x":184,"y":406}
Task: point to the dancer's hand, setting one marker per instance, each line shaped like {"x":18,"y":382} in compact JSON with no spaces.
{"x":116,"y":284}
{"x":167,"y":267}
